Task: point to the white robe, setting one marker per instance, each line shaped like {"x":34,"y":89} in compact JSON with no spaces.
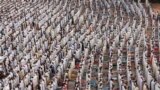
{"x":6,"y":87}
{"x":29,"y":87}
{"x":42,"y":85}
{"x":35,"y":81}
{"x":22,"y":86}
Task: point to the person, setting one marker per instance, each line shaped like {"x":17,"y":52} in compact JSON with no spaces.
{"x":42,"y":85}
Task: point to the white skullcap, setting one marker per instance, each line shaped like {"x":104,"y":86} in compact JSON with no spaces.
{"x":2,"y":59}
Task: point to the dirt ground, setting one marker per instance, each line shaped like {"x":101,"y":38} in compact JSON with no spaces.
{"x":156,"y":7}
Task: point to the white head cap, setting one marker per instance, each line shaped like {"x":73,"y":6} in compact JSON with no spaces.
{"x":2,"y":59}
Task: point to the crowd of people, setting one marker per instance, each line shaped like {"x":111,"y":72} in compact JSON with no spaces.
{"x":79,"y":45}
